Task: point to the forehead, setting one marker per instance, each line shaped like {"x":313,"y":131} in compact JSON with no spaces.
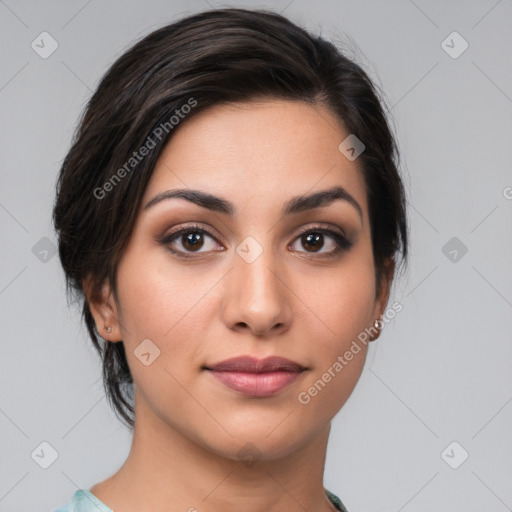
{"x":258,"y":151}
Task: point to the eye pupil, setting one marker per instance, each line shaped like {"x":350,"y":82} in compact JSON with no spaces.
{"x":193,"y":240}
{"x":313,"y":241}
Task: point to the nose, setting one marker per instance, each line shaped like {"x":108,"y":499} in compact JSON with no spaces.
{"x":255,"y":298}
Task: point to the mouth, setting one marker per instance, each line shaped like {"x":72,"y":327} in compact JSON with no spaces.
{"x":256,"y":377}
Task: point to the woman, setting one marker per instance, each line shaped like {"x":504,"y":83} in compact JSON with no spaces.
{"x":231,"y":213}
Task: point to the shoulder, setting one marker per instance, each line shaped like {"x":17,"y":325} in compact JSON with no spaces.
{"x":83,"y":501}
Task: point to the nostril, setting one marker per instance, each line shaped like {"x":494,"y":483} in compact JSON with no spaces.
{"x":244,"y":325}
{"x":241,"y":325}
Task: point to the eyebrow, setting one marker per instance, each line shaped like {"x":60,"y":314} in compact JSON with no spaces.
{"x":297,"y":204}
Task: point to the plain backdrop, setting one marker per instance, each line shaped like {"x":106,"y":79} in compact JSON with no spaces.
{"x":437,"y":386}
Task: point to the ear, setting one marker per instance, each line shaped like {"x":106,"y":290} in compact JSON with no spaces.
{"x":104,"y":310}
{"x":381,"y":300}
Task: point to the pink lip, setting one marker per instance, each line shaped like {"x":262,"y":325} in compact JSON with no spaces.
{"x":256,"y":377}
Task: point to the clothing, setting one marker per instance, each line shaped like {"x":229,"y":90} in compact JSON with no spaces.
{"x":84,"y":501}
{"x":335,"y":501}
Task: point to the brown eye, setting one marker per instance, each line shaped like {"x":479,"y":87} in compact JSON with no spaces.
{"x":312,"y":241}
{"x":321,"y":242}
{"x":189,"y":241}
{"x":192,"y":241}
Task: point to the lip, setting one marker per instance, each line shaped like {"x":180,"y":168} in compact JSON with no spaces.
{"x":256,"y":377}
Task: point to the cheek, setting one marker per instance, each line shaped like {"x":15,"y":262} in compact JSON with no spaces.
{"x":160,"y":306}
{"x":171,"y":307}
{"x":155,"y":301}
{"x":341,"y":302}
{"x":341,"y":308}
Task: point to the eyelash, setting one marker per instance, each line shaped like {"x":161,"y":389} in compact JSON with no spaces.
{"x":342,"y":243}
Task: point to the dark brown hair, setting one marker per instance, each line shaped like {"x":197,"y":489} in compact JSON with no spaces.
{"x":207,"y":59}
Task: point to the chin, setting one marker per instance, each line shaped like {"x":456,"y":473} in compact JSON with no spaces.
{"x":262,"y":440}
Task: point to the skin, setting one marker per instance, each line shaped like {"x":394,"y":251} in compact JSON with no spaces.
{"x":289,"y":302}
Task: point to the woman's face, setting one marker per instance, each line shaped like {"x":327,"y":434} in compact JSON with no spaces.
{"x":242,"y":263}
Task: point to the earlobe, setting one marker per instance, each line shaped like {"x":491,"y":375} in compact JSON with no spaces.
{"x":104,"y":309}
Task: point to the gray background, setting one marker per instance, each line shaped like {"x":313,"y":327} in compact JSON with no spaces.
{"x":439,"y":373}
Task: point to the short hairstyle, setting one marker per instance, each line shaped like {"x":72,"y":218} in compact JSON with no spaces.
{"x":211,"y":58}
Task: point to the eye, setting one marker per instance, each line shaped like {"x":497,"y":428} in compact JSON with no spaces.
{"x":321,"y":241}
{"x":188,"y":240}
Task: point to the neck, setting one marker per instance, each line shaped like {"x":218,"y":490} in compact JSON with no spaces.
{"x":166,"y":468}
